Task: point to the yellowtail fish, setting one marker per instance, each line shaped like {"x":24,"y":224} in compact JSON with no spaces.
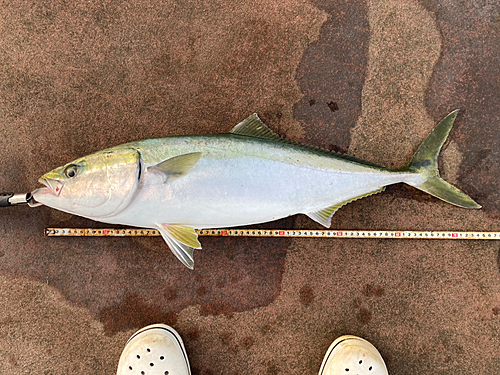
{"x":249,"y":175}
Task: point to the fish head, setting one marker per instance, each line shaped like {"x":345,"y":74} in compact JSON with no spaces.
{"x":96,"y":186}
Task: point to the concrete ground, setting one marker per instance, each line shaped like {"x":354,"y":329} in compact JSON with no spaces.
{"x":370,"y":78}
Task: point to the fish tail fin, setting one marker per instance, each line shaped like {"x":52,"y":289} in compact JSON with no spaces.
{"x":425,"y":162}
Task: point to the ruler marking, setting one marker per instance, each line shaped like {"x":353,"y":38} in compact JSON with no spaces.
{"x":359,"y":234}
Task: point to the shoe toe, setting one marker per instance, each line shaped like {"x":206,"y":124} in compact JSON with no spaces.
{"x":351,"y":355}
{"x":154,"y":350}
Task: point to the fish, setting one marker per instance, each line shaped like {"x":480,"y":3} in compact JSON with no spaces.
{"x":250,"y":175}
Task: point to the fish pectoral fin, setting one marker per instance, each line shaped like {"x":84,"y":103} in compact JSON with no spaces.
{"x":252,"y":126}
{"x":324,"y":216}
{"x":177,"y":166}
{"x":182,"y":240}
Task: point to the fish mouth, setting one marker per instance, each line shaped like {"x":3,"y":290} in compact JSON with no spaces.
{"x":54,"y":187}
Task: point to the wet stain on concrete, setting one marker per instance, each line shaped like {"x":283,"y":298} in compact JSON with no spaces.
{"x":306,"y":295}
{"x":344,"y":39}
{"x":98,"y":74}
{"x":272,"y":368}
{"x":466,"y":77}
{"x":247,"y":342}
{"x":144,"y":277}
{"x":407,"y":192}
{"x":133,"y":312}
{"x":141,"y":275}
{"x":393,"y":95}
{"x":193,"y":334}
{"x":170,"y":294}
{"x":201,"y":291}
{"x":333,"y":106}
{"x":363,"y":315}
{"x":266,"y":329}
{"x":372,"y":290}
{"x":227,"y":339}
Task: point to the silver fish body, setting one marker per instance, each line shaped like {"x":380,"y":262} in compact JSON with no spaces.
{"x":248,"y":176}
{"x":240,"y":181}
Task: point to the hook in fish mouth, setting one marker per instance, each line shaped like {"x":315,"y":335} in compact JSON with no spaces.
{"x":54,"y":186}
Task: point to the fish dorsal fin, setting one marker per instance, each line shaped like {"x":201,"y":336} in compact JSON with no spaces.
{"x":182,"y":240}
{"x":252,"y":126}
{"x":324,"y":216}
{"x":177,"y":166}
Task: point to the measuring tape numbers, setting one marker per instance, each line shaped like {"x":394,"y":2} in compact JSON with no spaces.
{"x":287,"y":233}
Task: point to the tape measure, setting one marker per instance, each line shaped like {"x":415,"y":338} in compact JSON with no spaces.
{"x":302,"y":233}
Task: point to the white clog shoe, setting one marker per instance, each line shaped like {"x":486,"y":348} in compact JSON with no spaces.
{"x":351,"y":355}
{"x":154,"y":350}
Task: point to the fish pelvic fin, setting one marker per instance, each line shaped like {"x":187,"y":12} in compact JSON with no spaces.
{"x":182,"y":240}
{"x":425,"y":162}
{"x":324,"y":216}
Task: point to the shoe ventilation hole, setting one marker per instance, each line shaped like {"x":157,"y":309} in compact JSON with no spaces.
{"x":166,"y":372}
{"x":347,"y":369}
{"x":142,"y":373}
{"x":138,"y":356}
{"x":360,"y":361}
{"x":162,"y":358}
{"x":151,"y":364}
{"x":130,"y":367}
{"x":370,"y":368}
{"x":148,"y":350}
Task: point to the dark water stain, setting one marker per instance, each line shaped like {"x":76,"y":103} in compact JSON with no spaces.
{"x":372,"y":290}
{"x":476,"y":161}
{"x":272,"y":368}
{"x":306,"y":295}
{"x":247,"y":342}
{"x":266,"y":329}
{"x":227,"y":339}
{"x":193,"y":334}
{"x":334,"y":67}
{"x":231,"y":275}
{"x":142,"y":275}
{"x":333,"y":106}
{"x":170,"y":294}
{"x":407,"y":192}
{"x":364,"y":316}
{"x":133,"y":312}
{"x":466,"y":77}
{"x":195,"y":370}
{"x":201,"y":290}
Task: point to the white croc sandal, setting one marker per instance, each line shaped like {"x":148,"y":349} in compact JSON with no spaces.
{"x":351,"y":355}
{"x":154,"y":350}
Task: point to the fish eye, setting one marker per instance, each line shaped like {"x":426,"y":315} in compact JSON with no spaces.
{"x":71,"y":171}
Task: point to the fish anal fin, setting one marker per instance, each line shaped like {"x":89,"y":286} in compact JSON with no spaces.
{"x":182,"y":240}
{"x":252,"y":126}
{"x":177,"y":166}
{"x":324,"y":216}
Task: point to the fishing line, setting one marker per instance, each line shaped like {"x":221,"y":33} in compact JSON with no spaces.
{"x":284,"y":233}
